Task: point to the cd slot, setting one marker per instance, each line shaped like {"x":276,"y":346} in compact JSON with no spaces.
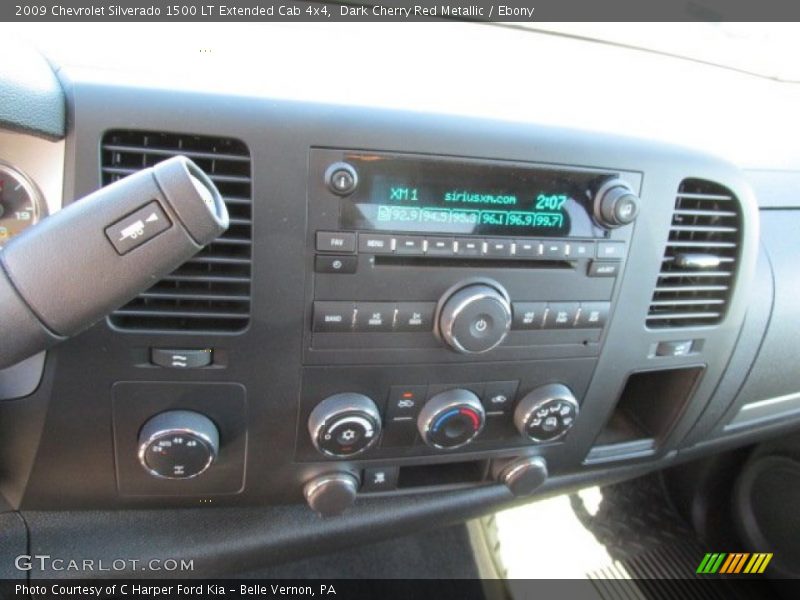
{"x":469,"y":263}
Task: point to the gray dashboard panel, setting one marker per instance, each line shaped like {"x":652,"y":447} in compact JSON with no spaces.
{"x":267,"y":358}
{"x":31,"y":98}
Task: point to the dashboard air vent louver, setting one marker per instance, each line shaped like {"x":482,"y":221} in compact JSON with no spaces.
{"x":211,"y":291}
{"x":699,"y":265}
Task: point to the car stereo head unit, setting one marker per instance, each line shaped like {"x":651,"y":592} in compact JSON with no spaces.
{"x":415,"y":194}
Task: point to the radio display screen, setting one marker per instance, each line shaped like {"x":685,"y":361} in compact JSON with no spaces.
{"x":422,"y":195}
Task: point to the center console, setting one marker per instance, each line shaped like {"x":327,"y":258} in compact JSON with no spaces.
{"x":422,"y":260}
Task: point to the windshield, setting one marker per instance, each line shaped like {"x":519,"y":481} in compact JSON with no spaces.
{"x":765,"y":49}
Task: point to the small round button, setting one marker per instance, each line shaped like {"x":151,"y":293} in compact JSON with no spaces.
{"x":524,"y":476}
{"x":615,"y":204}
{"x":330,"y":495}
{"x":475,"y":319}
{"x":451,"y":419}
{"x":341,"y":178}
{"x":344,"y":425}
{"x":546,"y":413}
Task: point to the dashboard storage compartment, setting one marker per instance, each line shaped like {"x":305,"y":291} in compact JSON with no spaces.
{"x":649,"y":405}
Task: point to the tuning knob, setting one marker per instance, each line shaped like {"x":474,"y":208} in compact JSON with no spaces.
{"x":546,"y":413}
{"x":178,"y":444}
{"x":330,"y":495}
{"x":451,"y":419}
{"x":615,"y":204}
{"x":344,"y":425}
{"x":475,"y":318}
{"x":522,"y":477}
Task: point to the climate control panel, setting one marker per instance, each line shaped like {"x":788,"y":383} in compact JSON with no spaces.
{"x":441,"y":417}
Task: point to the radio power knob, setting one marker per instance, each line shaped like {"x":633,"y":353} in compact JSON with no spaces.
{"x":546,"y":413}
{"x":344,"y":425}
{"x":474,"y":319}
{"x":615,"y":204}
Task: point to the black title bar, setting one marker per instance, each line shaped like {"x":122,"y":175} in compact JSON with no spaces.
{"x":520,"y":11}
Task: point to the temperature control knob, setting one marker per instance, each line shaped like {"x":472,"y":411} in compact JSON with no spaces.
{"x":451,"y":419}
{"x":546,"y":413}
{"x":475,"y":318}
{"x":178,"y":444}
{"x":615,"y":204}
{"x":344,"y":424}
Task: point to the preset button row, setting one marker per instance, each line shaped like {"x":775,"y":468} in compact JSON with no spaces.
{"x":347,"y":317}
{"x":560,"y":315}
{"x":414,"y":245}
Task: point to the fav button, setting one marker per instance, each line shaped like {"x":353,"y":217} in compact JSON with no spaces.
{"x":333,"y":241}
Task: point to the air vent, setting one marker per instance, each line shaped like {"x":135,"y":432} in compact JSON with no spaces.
{"x":211,"y":291}
{"x":699,"y":266}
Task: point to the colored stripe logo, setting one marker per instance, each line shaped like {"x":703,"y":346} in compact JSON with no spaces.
{"x":734,"y":563}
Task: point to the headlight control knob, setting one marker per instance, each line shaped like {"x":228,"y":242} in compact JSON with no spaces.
{"x":451,"y":419}
{"x":615,"y":204}
{"x":343,"y":425}
{"x":475,"y":318}
{"x":546,"y":413}
{"x":178,"y":444}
